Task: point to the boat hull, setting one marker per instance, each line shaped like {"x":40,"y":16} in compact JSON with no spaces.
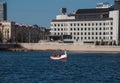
{"x":58,"y":58}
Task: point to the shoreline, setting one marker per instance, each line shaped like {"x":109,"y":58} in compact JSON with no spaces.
{"x":25,"y":47}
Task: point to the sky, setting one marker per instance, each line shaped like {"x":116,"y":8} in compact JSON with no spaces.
{"x":41,"y":12}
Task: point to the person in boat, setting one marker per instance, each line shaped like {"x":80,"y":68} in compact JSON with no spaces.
{"x":59,"y":55}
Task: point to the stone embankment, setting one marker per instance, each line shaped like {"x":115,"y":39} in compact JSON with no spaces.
{"x":58,"y":47}
{"x":70,"y":47}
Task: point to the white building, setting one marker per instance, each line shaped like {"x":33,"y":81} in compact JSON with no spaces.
{"x":96,"y":25}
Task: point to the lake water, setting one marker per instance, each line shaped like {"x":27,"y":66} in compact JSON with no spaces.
{"x":37,"y":67}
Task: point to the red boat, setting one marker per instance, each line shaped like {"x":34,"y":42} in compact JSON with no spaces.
{"x":59,"y":57}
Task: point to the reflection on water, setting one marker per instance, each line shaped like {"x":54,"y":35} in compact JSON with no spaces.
{"x":37,"y":67}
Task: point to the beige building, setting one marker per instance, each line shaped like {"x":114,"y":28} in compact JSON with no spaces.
{"x":20,"y":33}
{"x":6,"y":30}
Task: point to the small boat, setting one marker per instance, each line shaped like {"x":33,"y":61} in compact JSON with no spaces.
{"x":59,"y":57}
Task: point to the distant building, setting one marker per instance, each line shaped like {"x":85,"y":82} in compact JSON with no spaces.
{"x":100,"y":25}
{"x":6,"y":31}
{"x":28,"y":34}
{"x":3,"y":11}
{"x":20,"y":33}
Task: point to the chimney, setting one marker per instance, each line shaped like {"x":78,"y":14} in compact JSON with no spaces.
{"x":63,"y":11}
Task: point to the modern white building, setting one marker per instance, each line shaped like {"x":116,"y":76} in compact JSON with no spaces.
{"x":98,"y":25}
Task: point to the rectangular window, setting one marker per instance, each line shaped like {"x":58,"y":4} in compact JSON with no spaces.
{"x":111,"y":28}
{"x":81,"y":29}
{"x":81,"y":38}
{"x":81,"y":24}
{"x":111,"y":23}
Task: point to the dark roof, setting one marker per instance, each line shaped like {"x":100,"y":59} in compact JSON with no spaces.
{"x":94,"y":10}
{"x":68,"y":20}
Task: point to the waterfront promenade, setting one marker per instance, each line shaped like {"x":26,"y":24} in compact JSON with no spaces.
{"x":73,"y":47}
{"x":69,"y":47}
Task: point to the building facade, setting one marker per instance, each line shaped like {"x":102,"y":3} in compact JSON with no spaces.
{"x":98,"y":25}
{"x":3,"y":11}
{"x":28,"y":34}
{"x":11,"y":32}
{"x":6,"y":30}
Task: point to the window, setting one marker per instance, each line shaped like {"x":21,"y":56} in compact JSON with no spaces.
{"x":78,"y":29}
{"x":110,"y":37}
{"x":71,"y":29}
{"x":78,"y":24}
{"x":96,"y":24}
{"x":78,"y":33}
{"x":88,"y":28}
{"x":96,"y":33}
{"x":74,"y":24}
{"x":103,"y":33}
{"x":96,"y":28}
{"x":103,"y":23}
{"x":88,"y":37}
{"x":96,"y":37}
{"x":74,"y":28}
{"x":81,"y":24}
{"x":71,"y":24}
{"x":103,"y":28}
{"x":103,"y":37}
{"x":111,"y":28}
{"x":74,"y":33}
{"x":88,"y":33}
{"x":74,"y":37}
{"x":111,"y":23}
{"x":81,"y":33}
{"x":111,"y":33}
{"x":88,"y":24}
{"x":81,"y":38}
{"x":81,"y":29}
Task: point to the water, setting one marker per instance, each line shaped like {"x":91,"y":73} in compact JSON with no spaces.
{"x":37,"y":67}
